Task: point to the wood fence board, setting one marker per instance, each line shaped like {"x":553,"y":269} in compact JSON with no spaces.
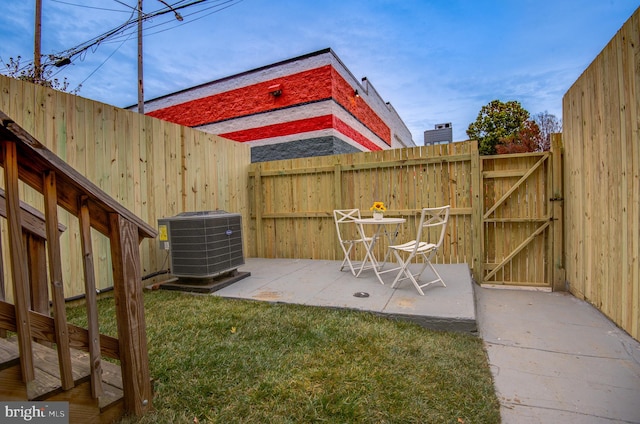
{"x":600,"y":138}
{"x":633,"y":132}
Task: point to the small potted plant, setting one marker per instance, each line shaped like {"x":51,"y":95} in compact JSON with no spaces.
{"x":378,"y":209}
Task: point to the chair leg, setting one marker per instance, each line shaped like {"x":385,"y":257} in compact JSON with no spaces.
{"x":356,"y":271}
{"x":438,"y":277}
{"x":344,"y":261}
{"x":411,"y":276}
{"x":347,"y":260}
{"x":366,"y":259}
{"x":408,"y":276}
{"x":400,"y":263}
{"x":403,"y":269}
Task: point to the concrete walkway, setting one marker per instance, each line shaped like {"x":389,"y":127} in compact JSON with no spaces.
{"x":554,"y":358}
{"x":557,"y":359}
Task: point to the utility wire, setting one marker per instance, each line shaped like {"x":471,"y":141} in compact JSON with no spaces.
{"x":216,"y":11}
{"x":125,"y":30}
{"x":103,"y":62}
{"x":116,"y":34}
{"x":126,"y":5}
{"x":92,"y":7}
{"x":174,"y":24}
{"x":117,"y":31}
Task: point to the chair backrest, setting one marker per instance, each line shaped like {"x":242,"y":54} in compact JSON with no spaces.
{"x":433,"y":218}
{"x":345,"y":216}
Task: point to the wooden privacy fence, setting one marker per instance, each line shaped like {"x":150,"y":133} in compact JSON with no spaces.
{"x":154,"y":168}
{"x":503,"y":217}
{"x":601,"y":136}
{"x":293,"y":200}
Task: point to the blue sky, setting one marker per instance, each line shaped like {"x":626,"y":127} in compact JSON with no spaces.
{"x":435,"y":61}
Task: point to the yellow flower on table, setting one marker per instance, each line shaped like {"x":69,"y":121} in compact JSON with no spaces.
{"x":378,"y":207}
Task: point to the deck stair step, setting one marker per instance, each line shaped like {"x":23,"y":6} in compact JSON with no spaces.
{"x":47,"y":373}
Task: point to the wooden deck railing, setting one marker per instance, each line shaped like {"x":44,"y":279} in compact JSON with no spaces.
{"x":34,"y":236}
{"x":25,"y":159}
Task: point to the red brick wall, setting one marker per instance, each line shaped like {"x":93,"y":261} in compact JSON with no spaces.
{"x":299,"y":88}
{"x":301,"y":126}
{"x":347,"y":130}
{"x":282,"y":129}
{"x":314,"y":85}
{"x":344,"y":95}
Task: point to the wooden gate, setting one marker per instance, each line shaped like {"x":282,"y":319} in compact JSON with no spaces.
{"x":522,"y":220}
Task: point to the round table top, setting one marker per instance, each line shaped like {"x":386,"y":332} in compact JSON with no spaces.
{"x":384,"y":220}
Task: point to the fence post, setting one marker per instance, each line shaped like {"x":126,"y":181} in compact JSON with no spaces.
{"x":557,"y":209}
{"x":258,"y":205}
{"x":337,"y":183}
{"x":477,"y":212}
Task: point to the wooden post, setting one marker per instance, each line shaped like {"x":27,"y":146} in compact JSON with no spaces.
{"x":18,"y":262}
{"x":90,"y":299}
{"x":132,"y":337}
{"x":55,"y":271}
{"x":337,"y":183}
{"x":258,"y":205}
{"x":477,"y":213}
{"x":557,"y":209}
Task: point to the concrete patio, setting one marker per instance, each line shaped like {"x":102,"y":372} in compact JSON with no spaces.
{"x":321,"y":283}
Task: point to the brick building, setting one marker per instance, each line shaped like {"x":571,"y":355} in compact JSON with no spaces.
{"x":309,"y":105}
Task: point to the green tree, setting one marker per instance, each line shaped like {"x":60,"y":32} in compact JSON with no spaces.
{"x":499,"y":123}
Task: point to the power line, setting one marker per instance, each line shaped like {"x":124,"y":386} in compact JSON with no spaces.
{"x":124,"y":31}
{"x":226,"y":4}
{"x":52,"y":59}
{"x":125,"y":4}
{"x":91,"y":7}
{"x":119,"y":31}
{"x":103,"y":62}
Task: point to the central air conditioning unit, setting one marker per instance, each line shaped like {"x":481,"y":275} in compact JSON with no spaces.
{"x":202,"y":244}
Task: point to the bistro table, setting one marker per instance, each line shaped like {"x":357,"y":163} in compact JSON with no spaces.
{"x":380,"y":229}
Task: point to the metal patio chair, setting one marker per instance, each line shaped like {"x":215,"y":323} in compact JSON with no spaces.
{"x":348,"y":235}
{"x":433,"y":222}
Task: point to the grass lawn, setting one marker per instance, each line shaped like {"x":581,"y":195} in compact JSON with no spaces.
{"x":216,"y":360}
